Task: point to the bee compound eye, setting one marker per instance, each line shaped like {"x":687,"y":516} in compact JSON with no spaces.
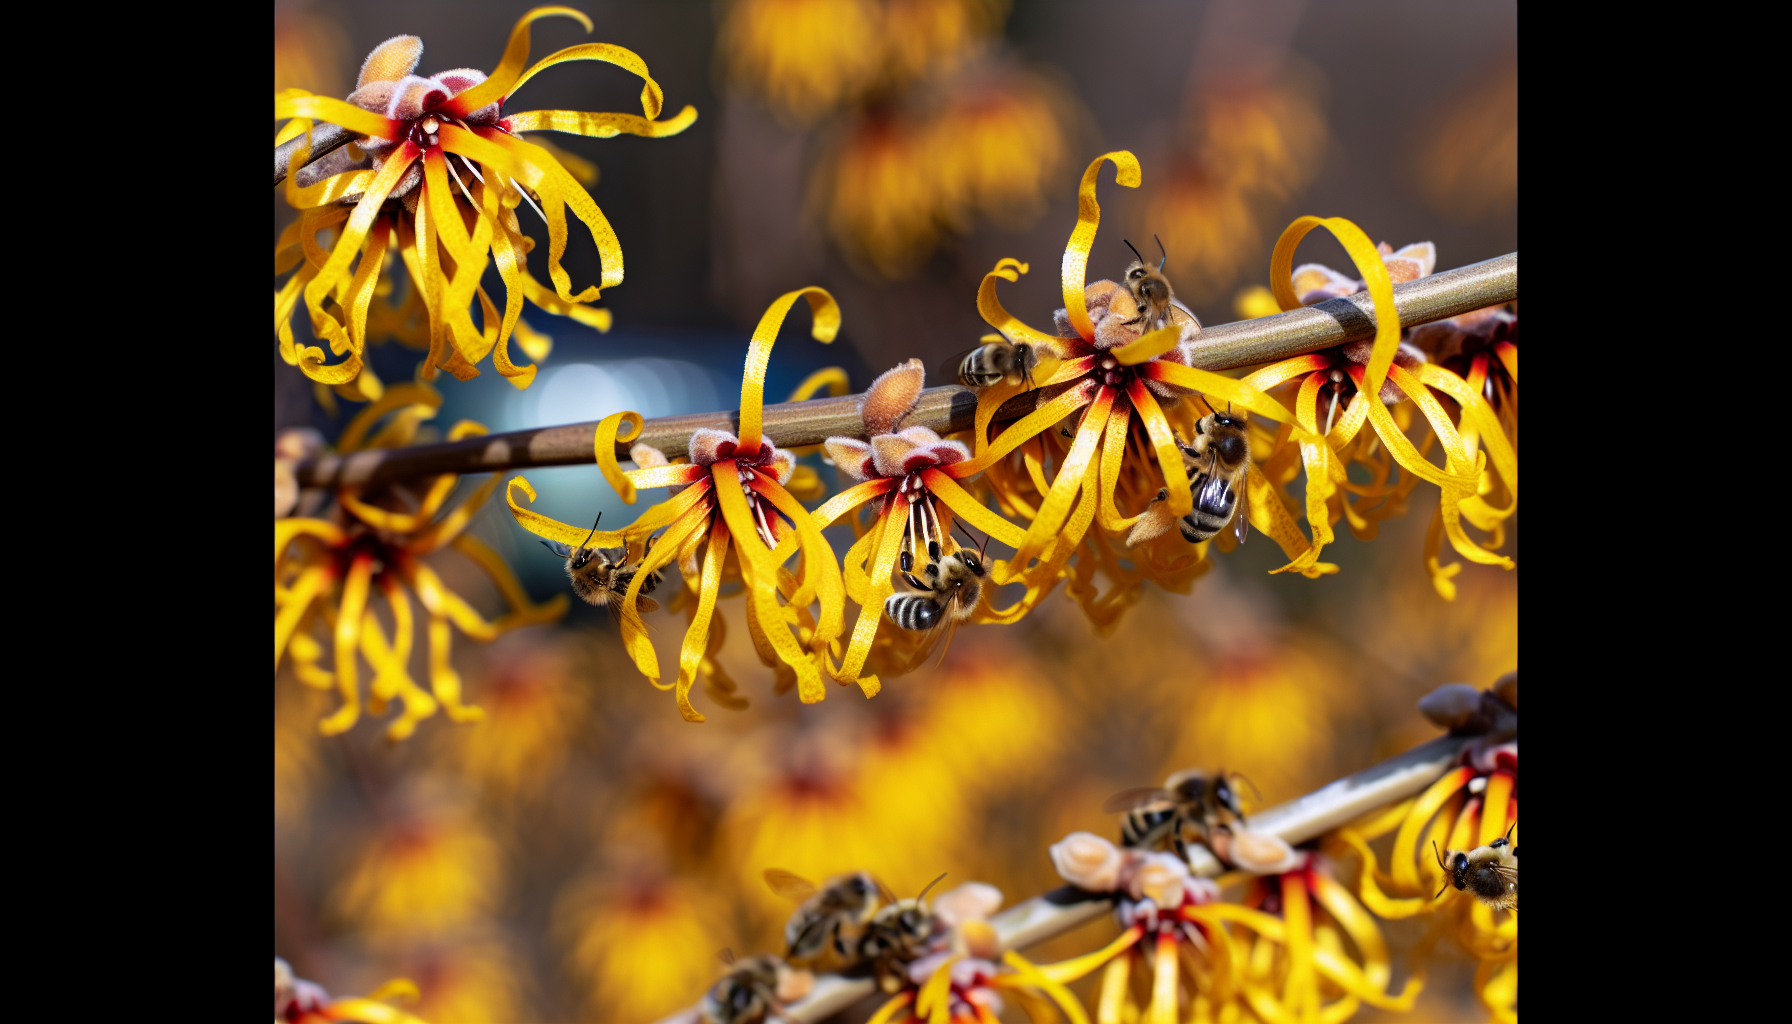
{"x":1460,"y":862}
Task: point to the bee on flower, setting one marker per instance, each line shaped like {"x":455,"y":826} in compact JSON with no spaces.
{"x":1479,"y":480}
{"x":1113,"y":422}
{"x":1198,"y":965}
{"x":435,"y":174}
{"x":960,"y":974}
{"x":1473,"y":807}
{"x":911,"y":473}
{"x":731,"y":500}
{"x":328,"y":569}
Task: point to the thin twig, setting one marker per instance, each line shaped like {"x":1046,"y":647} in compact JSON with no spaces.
{"x":944,"y":409}
{"x":325,"y":137}
{"x":1042,"y":917}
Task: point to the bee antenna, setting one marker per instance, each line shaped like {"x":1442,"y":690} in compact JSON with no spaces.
{"x":1160,"y":248}
{"x":1440,"y":861}
{"x":593,"y":533}
{"x":930,"y":885}
{"x":1509,"y":831}
{"x":1135,"y":252}
{"x":1440,"y":892}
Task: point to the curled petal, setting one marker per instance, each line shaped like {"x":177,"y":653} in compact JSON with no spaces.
{"x":826,"y":313}
{"x":325,"y":108}
{"x":510,"y":68}
{"x":1067,"y":971}
{"x":990,"y":306}
{"x":1149,"y":346}
{"x":1041,"y":419}
{"x":605,"y":443}
{"x":833,"y":378}
{"x":652,"y":98}
{"x":819,"y":564}
{"x":849,"y":499}
{"x":1082,"y":238}
{"x":888,"y":532}
{"x":602,"y":126}
{"x":1369,"y":263}
{"x":348,"y":642}
{"x":696,"y":636}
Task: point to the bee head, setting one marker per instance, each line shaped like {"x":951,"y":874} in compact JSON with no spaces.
{"x":582,"y":557}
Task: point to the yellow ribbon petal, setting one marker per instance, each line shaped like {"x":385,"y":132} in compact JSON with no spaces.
{"x":602,"y":126}
{"x":341,"y":112}
{"x":1149,"y":346}
{"x":833,"y":378}
{"x":604,"y":447}
{"x":652,"y":98}
{"x":961,"y":502}
{"x":1082,"y":238}
{"x":826,"y":313}
{"x":990,"y":306}
{"x":509,"y":70}
{"x":696,"y":636}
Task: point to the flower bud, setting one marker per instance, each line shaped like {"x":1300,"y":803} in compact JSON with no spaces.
{"x":1087,"y":861}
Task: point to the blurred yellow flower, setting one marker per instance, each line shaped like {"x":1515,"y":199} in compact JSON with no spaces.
{"x":731,"y":494}
{"x":533,"y":710}
{"x":1252,"y":146}
{"x":310,"y":51}
{"x":428,"y":868}
{"x":391,"y":191}
{"x":326,"y":570}
{"x":807,"y":58}
{"x":1267,"y":713}
{"x":639,"y":945}
{"x":1466,"y":161}
{"x":469,"y":981}
{"x":804,"y":57}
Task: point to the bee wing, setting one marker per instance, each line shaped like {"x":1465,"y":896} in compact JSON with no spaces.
{"x":1182,"y":314}
{"x":563,"y":550}
{"x":646,"y":604}
{"x":1133,"y":799}
{"x":1241,"y":523}
{"x":789,"y":884}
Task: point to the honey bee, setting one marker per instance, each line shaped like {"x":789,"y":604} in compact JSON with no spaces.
{"x":899,"y":932}
{"x":1489,"y":872}
{"x":754,"y":990}
{"x":1152,"y":292}
{"x":1218,"y":460}
{"x":832,"y":918}
{"x":946,"y":594}
{"x":601,"y":577}
{"x":1190,"y":801}
{"x":999,"y":359}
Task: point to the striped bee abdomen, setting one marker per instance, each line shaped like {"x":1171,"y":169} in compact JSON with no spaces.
{"x":1215,"y":501}
{"x":1141,"y":828}
{"x":912,"y":611}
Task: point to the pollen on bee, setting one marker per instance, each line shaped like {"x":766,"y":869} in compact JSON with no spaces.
{"x":431,"y":125}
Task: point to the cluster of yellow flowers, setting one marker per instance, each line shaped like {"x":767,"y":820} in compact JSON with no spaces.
{"x":929,"y":128}
{"x":1116,"y":410}
{"x":435,"y":174}
{"x":1280,"y":935}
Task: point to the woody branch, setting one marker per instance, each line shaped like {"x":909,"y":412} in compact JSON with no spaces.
{"x":942,"y":409}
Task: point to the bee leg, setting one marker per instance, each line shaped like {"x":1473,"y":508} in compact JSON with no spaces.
{"x":908,"y":561}
{"x":913,"y":582}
